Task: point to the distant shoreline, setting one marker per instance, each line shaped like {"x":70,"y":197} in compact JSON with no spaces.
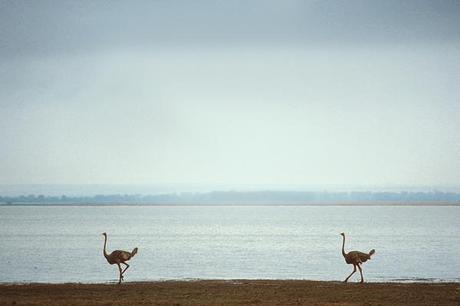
{"x":242,"y":198}
{"x":232,"y":292}
{"x":363,"y":204}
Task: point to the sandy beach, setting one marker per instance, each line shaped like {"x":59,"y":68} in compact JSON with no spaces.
{"x":232,"y":292}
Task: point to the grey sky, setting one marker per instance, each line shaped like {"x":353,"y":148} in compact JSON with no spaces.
{"x":230,"y":92}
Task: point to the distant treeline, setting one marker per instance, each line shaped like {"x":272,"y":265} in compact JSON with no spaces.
{"x":238,"y":197}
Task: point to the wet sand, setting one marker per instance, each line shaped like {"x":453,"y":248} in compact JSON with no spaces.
{"x":232,"y":292}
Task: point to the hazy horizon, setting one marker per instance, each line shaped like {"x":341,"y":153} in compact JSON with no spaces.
{"x":152,"y":189}
{"x":230,"y":93}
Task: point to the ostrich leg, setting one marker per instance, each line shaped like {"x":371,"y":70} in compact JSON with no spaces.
{"x":126,"y":268}
{"x":361,"y":272}
{"x":120,"y":275}
{"x":354,"y":270}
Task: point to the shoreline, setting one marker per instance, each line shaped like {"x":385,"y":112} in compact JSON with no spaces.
{"x":231,"y":292}
{"x":282,"y":204}
{"x":223,"y":280}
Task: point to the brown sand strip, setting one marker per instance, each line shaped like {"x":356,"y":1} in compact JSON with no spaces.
{"x":235,"y":292}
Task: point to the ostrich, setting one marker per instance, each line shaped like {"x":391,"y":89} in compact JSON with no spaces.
{"x":355,"y":258}
{"x":118,"y":257}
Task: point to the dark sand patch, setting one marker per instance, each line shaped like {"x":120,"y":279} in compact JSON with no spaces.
{"x":234,"y":292}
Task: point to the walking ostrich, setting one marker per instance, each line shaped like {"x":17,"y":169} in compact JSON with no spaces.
{"x":118,"y":257}
{"x":355,"y":258}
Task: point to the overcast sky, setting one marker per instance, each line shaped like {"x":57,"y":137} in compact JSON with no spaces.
{"x":320,"y":93}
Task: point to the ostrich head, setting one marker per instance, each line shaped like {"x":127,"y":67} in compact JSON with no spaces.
{"x":104,"y":234}
{"x":342,"y":234}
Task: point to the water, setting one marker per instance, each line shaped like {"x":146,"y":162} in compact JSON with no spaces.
{"x":64,"y":244}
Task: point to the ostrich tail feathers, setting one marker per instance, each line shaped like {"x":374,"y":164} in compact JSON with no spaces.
{"x":134,"y":252}
{"x":372,"y":252}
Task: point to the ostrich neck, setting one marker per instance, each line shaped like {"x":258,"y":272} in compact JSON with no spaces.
{"x":105,"y":244}
{"x":343,"y":246}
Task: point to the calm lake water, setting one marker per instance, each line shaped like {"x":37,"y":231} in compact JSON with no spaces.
{"x":64,"y":244}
